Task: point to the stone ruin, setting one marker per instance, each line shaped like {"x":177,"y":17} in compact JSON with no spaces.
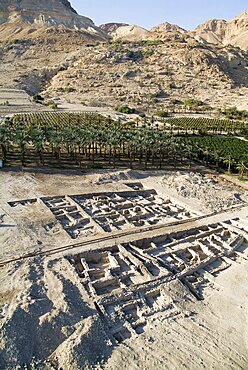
{"x":87,"y":214}
{"x":123,"y":210}
{"x":128,"y":282}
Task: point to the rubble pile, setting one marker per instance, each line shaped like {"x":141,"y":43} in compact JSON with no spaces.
{"x":213,"y":195}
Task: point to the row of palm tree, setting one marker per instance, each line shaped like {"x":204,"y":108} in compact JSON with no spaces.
{"x":112,"y":141}
{"x":108,"y":141}
{"x":210,"y":157}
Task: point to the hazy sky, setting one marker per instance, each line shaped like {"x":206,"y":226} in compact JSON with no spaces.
{"x":148,"y":13}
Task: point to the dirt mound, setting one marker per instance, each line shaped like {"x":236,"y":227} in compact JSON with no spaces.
{"x":117,"y":176}
{"x":52,"y":317}
{"x":213,"y":195}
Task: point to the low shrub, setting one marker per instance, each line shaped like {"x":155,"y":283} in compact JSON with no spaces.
{"x":125,"y":109}
{"x":38,"y":98}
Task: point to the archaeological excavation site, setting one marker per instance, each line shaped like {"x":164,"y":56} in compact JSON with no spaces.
{"x":123,"y":270}
{"x":123,"y":185}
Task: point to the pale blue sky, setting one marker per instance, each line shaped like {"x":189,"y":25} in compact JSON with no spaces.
{"x":186,"y":13}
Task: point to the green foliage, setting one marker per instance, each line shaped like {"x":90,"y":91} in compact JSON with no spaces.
{"x":14,"y":42}
{"x":220,"y":149}
{"x":68,"y":89}
{"x":38,"y":98}
{"x":125,"y":109}
{"x":131,"y":124}
{"x":53,"y":105}
{"x":152,"y":42}
{"x":148,"y":52}
{"x":234,"y":113}
{"x":207,"y":125}
{"x":62,"y":68}
{"x":162,"y":114}
{"x":88,"y":136}
{"x":193,"y":103}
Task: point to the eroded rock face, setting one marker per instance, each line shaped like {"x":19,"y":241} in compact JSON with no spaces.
{"x":233,"y":32}
{"x":44,"y":13}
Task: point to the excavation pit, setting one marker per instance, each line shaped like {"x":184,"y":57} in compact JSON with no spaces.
{"x":128,"y":280}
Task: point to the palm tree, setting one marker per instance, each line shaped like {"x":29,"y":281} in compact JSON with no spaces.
{"x":5,"y":138}
{"x":21,"y":138}
{"x":229,"y":162}
{"x":37,"y":136}
{"x":132,"y":144}
{"x":145,"y":142}
{"x":241,"y":168}
{"x":206,"y":153}
{"x":189,"y":153}
{"x":174,"y":149}
{"x":55,"y":139}
{"x":115,"y":139}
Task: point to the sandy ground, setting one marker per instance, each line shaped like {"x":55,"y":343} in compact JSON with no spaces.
{"x":50,"y":320}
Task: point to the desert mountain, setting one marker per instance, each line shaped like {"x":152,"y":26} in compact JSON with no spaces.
{"x":18,"y":16}
{"x":168,"y":27}
{"x":111,"y":27}
{"x":170,"y":32}
{"x":147,"y":75}
{"x":130,"y":33}
{"x":233,"y":32}
{"x":122,"y":31}
{"x":43,"y":52}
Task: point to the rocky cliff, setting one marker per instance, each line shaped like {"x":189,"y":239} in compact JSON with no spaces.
{"x":44,"y":13}
{"x":215,"y":31}
{"x":233,"y":32}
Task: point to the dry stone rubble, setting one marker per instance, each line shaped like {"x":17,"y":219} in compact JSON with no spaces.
{"x":209,"y":191}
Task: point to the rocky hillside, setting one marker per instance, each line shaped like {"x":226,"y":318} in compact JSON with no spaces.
{"x":48,"y":48}
{"x":233,"y":32}
{"x":127,"y":32}
{"x":142,"y":74}
{"x":215,"y":31}
{"x":24,"y":17}
{"x":147,"y":75}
